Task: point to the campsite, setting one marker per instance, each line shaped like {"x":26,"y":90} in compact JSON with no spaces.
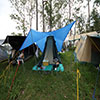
{"x":31,"y":85}
{"x":51,"y":51}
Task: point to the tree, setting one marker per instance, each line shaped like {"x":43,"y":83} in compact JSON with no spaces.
{"x":43,"y":15}
{"x":88,"y":29}
{"x":18,"y":34}
{"x":88,"y":11}
{"x":52,"y":14}
{"x":95,"y":17}
{"x":23,"y":15}
{"x":77,"y":14}
{"x":97,"y":2}
{"x":36,"y":14}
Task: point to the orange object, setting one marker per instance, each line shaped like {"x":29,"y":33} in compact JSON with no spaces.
{"x":45,"y":63}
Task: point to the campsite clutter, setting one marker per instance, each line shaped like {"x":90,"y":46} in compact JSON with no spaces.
{"x":16,"y":42}
{"x":50,"y":59}
{"x":50,"y":43}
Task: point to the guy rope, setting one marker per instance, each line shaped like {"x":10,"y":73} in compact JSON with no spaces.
{"x":13,"y":81}
{"x":93,"y":96}
{"x":78,"y":76}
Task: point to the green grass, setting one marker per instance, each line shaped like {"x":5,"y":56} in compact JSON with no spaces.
{"x":30,"y":85}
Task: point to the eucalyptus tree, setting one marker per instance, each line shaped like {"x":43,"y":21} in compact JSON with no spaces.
{"x":88,"y":3}
{"x":52,"y":12}
{"x":97,"y":2}
{"x":36,"y":14}
{"x":23,"y":14}
{"x":95,"y":16}
{"x":78,"y":14}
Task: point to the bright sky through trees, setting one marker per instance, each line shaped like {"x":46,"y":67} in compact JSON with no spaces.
{"x":7,"y":26}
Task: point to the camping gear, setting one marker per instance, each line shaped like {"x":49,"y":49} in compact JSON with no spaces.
{"x":50,"y":43}
{"x":3,"y":54}
{"x":88,"y":49}
{"x":49,"y":55}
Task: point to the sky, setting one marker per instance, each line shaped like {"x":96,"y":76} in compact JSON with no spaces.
{"x":7,"y":26}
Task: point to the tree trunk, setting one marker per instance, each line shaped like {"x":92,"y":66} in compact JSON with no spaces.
{"x":36,"y":14}
{"x":30,"y":17}
{"x":89,"y":13}
{"x":50,"y":19}
{"x":70,"y":15}
{"x":43,"y":16}
{"x":69,"y":9}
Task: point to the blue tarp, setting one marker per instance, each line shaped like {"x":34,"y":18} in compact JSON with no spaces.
{"x":49,"y":68}
{"x":40,"y":37}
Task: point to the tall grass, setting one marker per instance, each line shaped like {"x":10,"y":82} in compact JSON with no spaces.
{"x":30,"y":85}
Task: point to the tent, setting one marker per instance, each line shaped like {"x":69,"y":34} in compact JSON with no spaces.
{"x":50,"y":43}
{"x":88,"y":49}
{"x":1,"y":41}
{"x":3,"y":54}
{"x":48,"y":56}
{"x":17,"y":41}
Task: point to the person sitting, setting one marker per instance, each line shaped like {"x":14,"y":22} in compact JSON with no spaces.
{"x":20,"y":57}
{"x":56,"y":64}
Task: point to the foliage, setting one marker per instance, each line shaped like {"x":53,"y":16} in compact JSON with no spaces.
{"x":23,"y":15}
{"x":95,"y":17}
{"x":57,"y":14}
{"x":97,"y":2}
{"x":53,"y":14}
{"x":14,"y":34}
{"x":30,"y":85}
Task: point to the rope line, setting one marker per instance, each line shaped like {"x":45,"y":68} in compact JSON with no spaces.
{"x":5,"y":70}
{"x":93,"y":96}
{"x":78,"y":76}
{"x":12,"y":82}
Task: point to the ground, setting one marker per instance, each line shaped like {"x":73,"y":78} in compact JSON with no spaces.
{"x":30,"y":85}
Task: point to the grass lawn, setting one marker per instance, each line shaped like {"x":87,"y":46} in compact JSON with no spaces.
{"x":30,"y":85}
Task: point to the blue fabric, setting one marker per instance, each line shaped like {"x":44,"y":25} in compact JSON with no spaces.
{"x":49,"y":68}
{"x":32,"y":37}
{"x":45,"y":68}
{"x":41,"y":43}
{"x":40,"y":37}
{"x":60,"y":68}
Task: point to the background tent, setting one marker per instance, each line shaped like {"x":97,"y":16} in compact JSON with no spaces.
{"x":1,"y":41}
{"x":88,"y":49}
{"x":17,"y":41}
{"x":3,"y":54}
